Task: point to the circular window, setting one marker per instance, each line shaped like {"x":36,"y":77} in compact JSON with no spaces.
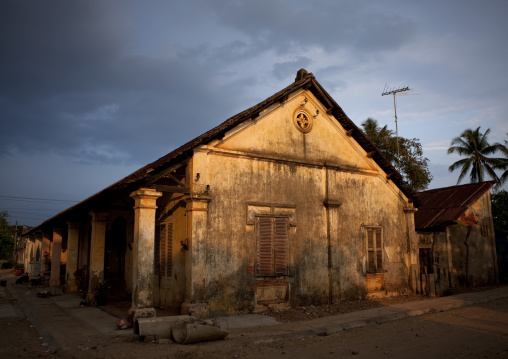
{"x":303,"y":121}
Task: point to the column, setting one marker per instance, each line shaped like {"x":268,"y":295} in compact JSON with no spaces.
{"x":46,"y":256}
{"x":54,"y":280}
{"x":72,"y":256}
{"x":38,"y":253}
{"x":195,"y":257}
{"x":97,"y":248}
{"x":143,"y":252}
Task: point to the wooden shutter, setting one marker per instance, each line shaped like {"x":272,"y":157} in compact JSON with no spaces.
{"x":169,"y":249}
{"x":374,"y":249}
{"x":272,"y":246}
{"x":379,"y":249}
{"x":281,"y":246}
{"x":370,"y":250}
{"x":163,"y":249}
{"x":156,"y":257}
{"x":264,"y":247}
{"x":163,"y":260}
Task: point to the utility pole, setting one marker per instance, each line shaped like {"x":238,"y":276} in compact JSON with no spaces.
{"x":394,"y":92}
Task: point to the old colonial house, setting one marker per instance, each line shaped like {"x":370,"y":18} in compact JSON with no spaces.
{"x":456,"y":238}
{"x":286,"y":202}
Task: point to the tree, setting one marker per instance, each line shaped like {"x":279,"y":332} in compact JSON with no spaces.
{"x":6,"y":237}
{"x":411,"y":164}
{"x":500,"y":217}
{"x":504,"y":165}
{"x":500,"y":213}
{"x":474,"y":146}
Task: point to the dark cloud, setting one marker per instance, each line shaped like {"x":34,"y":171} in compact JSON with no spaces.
{"x":70,"y":85}
{"x":58,"y":46}
{"x":73,"y":82}
{"x":280,"y":24}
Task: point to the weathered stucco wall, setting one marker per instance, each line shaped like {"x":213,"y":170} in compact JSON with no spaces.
{"x":440,"y":275}
{"x":367,"y":201}
{"x":269,"y":165}
{"x":461,"y":258}
{"x":478,"y":265}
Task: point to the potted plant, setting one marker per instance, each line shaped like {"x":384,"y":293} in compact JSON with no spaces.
{"x":101,"y":291}
{"x":19,"y":269}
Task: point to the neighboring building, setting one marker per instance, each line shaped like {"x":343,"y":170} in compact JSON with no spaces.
{"x":285,"y":203}
{"x":22,"y":248}
{"x":456,"y":238}
{"x":33,"y":255}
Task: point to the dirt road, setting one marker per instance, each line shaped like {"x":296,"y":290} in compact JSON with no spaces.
{"x":476,"y":331}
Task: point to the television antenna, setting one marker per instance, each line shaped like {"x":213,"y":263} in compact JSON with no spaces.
{"x":393,"y":92}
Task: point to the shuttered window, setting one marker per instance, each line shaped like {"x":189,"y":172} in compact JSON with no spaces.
{"x":272,"y":247}
{"x":164,"y":249}
{"x":374,"y":249}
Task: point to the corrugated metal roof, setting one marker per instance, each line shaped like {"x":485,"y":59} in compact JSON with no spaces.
{"x":304,"y":80}
{"x":443,"y":206}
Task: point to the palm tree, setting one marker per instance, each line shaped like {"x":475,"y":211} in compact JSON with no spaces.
{"x":382,"y":138}
{"x":504,"y":165}
{"x":474,"y":146}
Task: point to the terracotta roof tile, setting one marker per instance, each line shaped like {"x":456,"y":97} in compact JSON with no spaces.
{"x":443,"y":206}
{"x":303,"y":80}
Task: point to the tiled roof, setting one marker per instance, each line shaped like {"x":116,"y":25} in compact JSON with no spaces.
{"x":304,"y":80}
{"x":443,"y":206}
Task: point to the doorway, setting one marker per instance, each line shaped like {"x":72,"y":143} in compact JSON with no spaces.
{"x":114,"y":259}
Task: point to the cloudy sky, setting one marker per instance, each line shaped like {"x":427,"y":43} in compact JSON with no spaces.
{"x":92,"y":90}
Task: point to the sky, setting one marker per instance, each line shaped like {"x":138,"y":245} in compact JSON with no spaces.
{"x":90,"y":91}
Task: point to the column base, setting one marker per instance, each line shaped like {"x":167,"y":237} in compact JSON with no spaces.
{"x":90,"y":299}
{"x":71,"y":288}
{"x":54,"y":282}
{"x":141,"y":313}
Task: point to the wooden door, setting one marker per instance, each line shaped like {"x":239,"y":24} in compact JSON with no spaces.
{"x":164,"y":263}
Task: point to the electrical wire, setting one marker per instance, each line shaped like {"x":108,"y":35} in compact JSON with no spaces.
{"x":36,"y":200}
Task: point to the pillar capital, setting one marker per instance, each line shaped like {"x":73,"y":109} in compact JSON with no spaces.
{"x":99,"y":216}
{"x":57,"y":230}
{"x":145,"y":198}
{"x":410,"y":208}
{"x":73,"y":225}
{"x":197,"y":202}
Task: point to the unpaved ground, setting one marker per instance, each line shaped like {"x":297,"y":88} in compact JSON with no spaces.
{"x":18,"y":337}
{"x":479,"y":331}
{"x":319,"y":311}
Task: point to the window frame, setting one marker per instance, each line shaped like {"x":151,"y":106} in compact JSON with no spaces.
{"x":164,"y":233}
{"x":272,"y":245}
{"x":374,"y":251}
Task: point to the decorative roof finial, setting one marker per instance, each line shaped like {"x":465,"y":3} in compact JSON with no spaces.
{"x":300,"y":75}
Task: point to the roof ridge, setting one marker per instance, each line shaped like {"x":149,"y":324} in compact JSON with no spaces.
{"x":305,"y":80}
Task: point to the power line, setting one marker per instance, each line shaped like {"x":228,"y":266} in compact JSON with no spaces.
{"x":36,"y":200}
{"x":31,"y":212}
{"x":15,"y":209}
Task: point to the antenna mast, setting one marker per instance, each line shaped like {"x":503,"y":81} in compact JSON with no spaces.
{"x":394,"y":92}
